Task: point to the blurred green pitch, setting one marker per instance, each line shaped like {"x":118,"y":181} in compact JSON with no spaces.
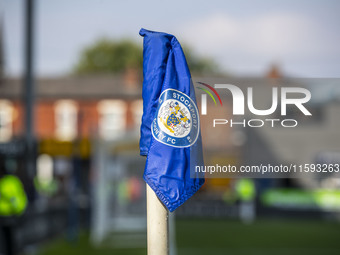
{"x":196,"y":237}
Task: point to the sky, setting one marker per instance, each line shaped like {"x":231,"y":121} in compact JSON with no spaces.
{"x":243,"y":37}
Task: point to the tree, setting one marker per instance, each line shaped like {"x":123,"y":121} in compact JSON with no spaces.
{"x":198,"y":64}
{"x":107,"y":56}
{"x":110,"y":56}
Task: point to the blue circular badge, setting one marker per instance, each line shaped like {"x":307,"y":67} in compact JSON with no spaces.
{"x":177,"y":122}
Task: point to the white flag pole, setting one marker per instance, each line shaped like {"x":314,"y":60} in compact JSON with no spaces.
{"x":157,"y":225}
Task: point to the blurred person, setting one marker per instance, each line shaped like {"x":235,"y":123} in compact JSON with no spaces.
{"x":246,"y":192}
{"x":13,"y":202}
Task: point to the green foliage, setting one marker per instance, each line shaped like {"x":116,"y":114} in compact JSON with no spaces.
{"x":109,"y":56}
{"x":200,"y":65}
{"x":106,"y":56}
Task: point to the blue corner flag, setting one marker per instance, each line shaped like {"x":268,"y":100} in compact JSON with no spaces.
{"x":170,"y":130}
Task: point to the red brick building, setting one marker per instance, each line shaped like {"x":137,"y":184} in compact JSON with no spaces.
{"x":71,"y":107}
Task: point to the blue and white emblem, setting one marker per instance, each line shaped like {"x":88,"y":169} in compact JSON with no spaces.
{"x":177,"y":122}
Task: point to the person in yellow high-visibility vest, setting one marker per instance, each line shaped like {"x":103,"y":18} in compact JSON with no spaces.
{"x":245,"y":189}
{"x":13,"y":200}
{"x":246,"y":192}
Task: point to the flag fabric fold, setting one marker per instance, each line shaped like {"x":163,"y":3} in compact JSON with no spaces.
{"x":170,"y":129}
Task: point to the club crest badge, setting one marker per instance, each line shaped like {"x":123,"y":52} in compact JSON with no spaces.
{"x":177,"y":122}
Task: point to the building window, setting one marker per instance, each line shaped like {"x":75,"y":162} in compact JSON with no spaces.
{"x":112,"y":120}
{"x":137,"y":112}
{"x":6,"y":120}
{"x":45,"y":168}
{"x":66,"y":120}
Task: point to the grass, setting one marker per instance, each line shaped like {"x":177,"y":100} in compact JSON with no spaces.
{"x":229,"y":237}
